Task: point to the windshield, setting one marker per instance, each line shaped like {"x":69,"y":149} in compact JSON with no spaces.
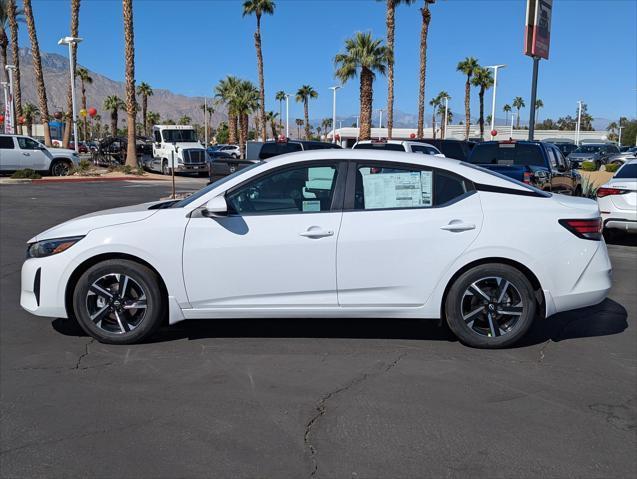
{"x":509,"y":154}
{"x":588,"y":149}
{"x":211,"y":186}
{"x":179,"y":136}
{"x":627,"y":171}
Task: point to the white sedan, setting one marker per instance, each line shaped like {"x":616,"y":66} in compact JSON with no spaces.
{"x":617,"y":199}
{"x":328,"y":233}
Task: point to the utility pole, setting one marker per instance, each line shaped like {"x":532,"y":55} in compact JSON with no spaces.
{"x":14,"y":122}
{"x":536,"y":63}
{"x":334,"y":88}
{"x":579,"y":120}
{"x":71,"y":41}
{"x":495,"y":89}
{"x":287,"y":116}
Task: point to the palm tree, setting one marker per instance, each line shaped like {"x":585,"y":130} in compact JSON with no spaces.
{"x":299,"y":123}
{"x":482,"y":79}
{"x":538,"y":104}
{"x":75,"y":19}
{"x":391,"y":25}
{"x":131,"y":102}
{"x":29,"y":112}
{"x":424,"y":30}
{"x":145,"y":90}
{"x":507,"y":109}
{"x":367,"y":56}
{"x":280,"y":97}
{"x":14,"y":16}
{"x":113,"y":104}
{"x":85,"y":78}
{"x":259,"y":8}
{"x":152,"y":118}
{"x":467,"y":66}
{"x":441,"y":111}
{"x":184,"y":120}
{"x":37,"y":71}
{"x":4,"y":40}
{"x":208,"y":111}
{"x":225,"y":91}
{"x":244,"y":101}
{"x":271,"y":117}
{"x":435,"y":103}
{"x":518,"y":102}
{"x":97,"y":126}
{"x":326,"y":124}
{"x":304,"y":94}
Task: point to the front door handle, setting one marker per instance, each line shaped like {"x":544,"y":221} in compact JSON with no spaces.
{"x":456,"y":226}
{"x":316,"y":232}
{"x":26,"y":154}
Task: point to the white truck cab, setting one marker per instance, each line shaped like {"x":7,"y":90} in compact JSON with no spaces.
{"x":177,"y":146}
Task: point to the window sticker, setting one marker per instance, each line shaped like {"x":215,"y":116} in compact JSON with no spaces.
{"x":398,"y":190}
{"x":312,"y":205}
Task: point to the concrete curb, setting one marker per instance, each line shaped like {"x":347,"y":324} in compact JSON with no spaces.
{"x":74,"y":179}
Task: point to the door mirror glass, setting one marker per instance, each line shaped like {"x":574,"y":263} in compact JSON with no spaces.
{"x":215,"y":207}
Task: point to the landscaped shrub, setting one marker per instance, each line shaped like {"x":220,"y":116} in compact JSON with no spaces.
{"x":139,"y":171}
{"x":589,"y":190}
{"x":612,"y":167}
{"x":82,"y":169}
{"x":589,"y":166}
{"x":26,"y":173}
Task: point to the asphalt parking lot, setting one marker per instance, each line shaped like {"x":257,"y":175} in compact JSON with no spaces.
{"x":306,"y":398}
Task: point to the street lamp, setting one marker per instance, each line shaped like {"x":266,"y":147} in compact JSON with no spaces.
{"x":11,"y":69}
{"x":5,"y":87}
{"x":619,"y":140}
{"x":579,"y":119}
{"x":334,"y":88}
{"x":380,"y":119}
{"x":513,"y":114}
{"x":287,"y":115}
{"x":495,"y":88}
{"x":72,"y":41}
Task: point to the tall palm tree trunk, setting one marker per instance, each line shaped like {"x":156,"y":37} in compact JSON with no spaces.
{"x":433,"y":122}
{"x":391,"y":26}
{"x":85,"y":119}
{"x":17,"y":89}
{"x":280,"y":115}
{"x":114,"y":121}
{"x":307,"y":118}
{"x":426,"y":17}
{"x":4,"y":43}
{"x":243,"y":134}
{"x":145,"y":113}
{"x":257,"y":45}
{"x":517,"y":120}
{"x":75,"y":20}
{"x":232,"y":128}
{"x":467,"y":107}
{"x":131,"y":103}
{"x":481,"y":97}
{"x":37,"y":71}
{"x":366,"y":99}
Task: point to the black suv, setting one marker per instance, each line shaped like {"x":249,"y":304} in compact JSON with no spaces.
{"x":533,"y":162}
{"x":456,"y":149}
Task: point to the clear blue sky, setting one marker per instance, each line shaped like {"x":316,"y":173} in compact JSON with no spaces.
{"x":188,"y":45}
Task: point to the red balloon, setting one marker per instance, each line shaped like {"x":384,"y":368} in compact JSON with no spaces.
{"x":92,"y":112}
{"x":412,"y":136}
{"x":58,"y":115}
{"x":494,"y":132}
{"x":22,"y":120}
{"x":1,"y":118}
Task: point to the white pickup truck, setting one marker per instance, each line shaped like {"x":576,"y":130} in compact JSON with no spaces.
{"x":176,"y":145}
{"x":18,"y":152}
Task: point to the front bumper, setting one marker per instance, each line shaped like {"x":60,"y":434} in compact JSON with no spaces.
{"x":181,"y":168}
{"x":39,"y":293}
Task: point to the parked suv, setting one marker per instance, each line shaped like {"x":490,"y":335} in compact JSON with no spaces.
{"x":598,"y":153}
{"x":456,"y":149}
{"x":398,"y":145}
{"x":533,"y":162}
{"x":18,"y":152}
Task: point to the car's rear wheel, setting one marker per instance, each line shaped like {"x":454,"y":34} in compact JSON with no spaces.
{"x":118,"y":302}
{"x":490,"y":306}
{"x":60,"y":168}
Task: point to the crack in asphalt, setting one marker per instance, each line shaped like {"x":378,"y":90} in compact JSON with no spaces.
{"x":83,"y":355}
{"x":321,"y":408}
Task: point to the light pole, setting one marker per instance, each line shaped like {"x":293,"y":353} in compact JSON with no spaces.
{"x":512,"y":117}
{"x":71,"y":41}
{"x":334,"y":88}
{"x":380,"y":119}
{"x":11,"y":69}
{"x":579,"y":119}
{"x":446,"y":116}
{"x":495,"y":88}
{"x":287,"y":115}
{"x":619,"y":141}
{"x":5,"y":87}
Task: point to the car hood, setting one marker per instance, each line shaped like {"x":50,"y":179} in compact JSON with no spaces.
{"x":64,"y":151}
{"x":82,"y":225}
{"x":581,"y":156}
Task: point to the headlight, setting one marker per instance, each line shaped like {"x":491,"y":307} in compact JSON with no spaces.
{"x":41,"y":249}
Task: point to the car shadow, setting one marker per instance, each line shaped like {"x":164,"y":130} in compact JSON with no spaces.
{"x":605,"y":319}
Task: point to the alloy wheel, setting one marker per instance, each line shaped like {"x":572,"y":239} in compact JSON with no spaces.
{"x":116,"y":303}
{"x":60,"y":169}
{"x":491,"y":306}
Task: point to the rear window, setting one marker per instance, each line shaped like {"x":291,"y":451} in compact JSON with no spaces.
{"x":627,"y":171}
{"x":520,"y":154}
{"x":6,"y":143}
{"x":538,"y":191}
{"x":380,"y":146}
{"x":268,"y":150}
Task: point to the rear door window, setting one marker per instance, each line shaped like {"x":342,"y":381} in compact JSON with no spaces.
{"x":6,"y":143}
{"x":452,"y":150}
{"x":425,"y":150}
{"x":519,"y":154}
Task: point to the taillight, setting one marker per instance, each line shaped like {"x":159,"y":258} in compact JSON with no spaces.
{"x":528,"y":177}
{"x":601,"y":192}
{"x":587,"y":229}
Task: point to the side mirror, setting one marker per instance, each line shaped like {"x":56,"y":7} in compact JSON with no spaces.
{"x":215,"y":207}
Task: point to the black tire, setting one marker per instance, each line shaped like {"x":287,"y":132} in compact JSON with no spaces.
{"x":115,"y":318}
{"x":60,"y":168}
{"x":488,"y":328}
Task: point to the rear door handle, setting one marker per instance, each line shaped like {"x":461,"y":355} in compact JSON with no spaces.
{"x":316,"y":232}
{"x":26,"y":154}
{"x":458,"y":227}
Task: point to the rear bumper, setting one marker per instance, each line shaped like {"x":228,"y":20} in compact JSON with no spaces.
{"x":591,"y":288}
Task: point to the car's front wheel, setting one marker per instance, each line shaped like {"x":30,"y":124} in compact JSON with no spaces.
{"x":60,"y":168}
{"x":490,"y":306}
{"x":118,"y":301}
